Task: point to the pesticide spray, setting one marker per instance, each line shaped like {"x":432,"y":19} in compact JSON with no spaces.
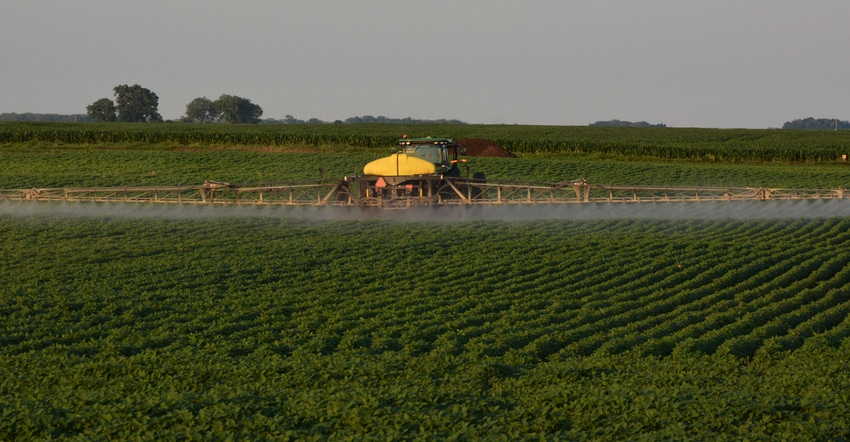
{"x":731,"y":210}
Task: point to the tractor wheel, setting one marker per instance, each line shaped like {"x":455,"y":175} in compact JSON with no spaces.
{"x":478,"y":177}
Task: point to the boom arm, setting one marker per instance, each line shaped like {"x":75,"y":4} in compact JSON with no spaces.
{"x":435,"y":190}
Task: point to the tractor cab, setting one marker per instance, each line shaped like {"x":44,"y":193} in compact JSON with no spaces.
{"x":441,"y":152}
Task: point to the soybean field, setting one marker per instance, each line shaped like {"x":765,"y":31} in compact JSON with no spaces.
{"x":30,"y":168}
{"x":197,"y":323}
{"x":265,"y":327}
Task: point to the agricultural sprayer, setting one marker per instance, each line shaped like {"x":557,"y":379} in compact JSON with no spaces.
{"x":421,"y":172}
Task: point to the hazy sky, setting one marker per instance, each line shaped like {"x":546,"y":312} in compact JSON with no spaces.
{"x":707,"y":63}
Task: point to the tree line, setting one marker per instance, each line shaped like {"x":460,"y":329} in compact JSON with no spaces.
{"x":620,"y":123}
{"x":136,"y":104}
{"x":289,"y":119}
{"x":817,"y":123}
{"x":47,"y":118}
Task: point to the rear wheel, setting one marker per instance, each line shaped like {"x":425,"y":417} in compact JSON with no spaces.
{"x":478,"y":177}
{"x":343,"y":192}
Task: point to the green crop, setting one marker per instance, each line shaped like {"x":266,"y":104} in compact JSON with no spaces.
{"x":174,"y":322}
{"x":692,"y":144}
{"x":35,"y":167}
{"x":257,"y":325}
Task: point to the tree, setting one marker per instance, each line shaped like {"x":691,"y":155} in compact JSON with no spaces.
{"x":237,"y":110}
{"x":201,"y":110}
{"x":102,"y":110}
{"x":289,"y":119}
{"x":136,"y":104}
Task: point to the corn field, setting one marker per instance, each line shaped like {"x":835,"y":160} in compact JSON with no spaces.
{"x":692,"y":144}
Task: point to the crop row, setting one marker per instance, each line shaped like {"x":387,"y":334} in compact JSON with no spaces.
{"x":263,"y":326}
{"x":188,"y":134}
{"x":107,"y":167}
{"x":705,"y":145}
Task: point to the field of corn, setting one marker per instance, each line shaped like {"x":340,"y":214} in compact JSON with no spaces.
{"x":706,"y":145}
{"x":226,"y":323}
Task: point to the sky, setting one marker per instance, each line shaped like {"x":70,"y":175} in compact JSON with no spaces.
{"x":683,"y":63}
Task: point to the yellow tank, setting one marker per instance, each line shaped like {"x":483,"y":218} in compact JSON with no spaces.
{"x":400,"y":164}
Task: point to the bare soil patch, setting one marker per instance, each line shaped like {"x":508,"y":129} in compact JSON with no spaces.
{"x":484,"y":148}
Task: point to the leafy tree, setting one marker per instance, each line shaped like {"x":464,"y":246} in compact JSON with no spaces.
{"x":201,"y":110}
{"x":237,"y":110}
{"x":289,"y":119}
{"x":102,"y":110}
{"x":136,"y":104}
